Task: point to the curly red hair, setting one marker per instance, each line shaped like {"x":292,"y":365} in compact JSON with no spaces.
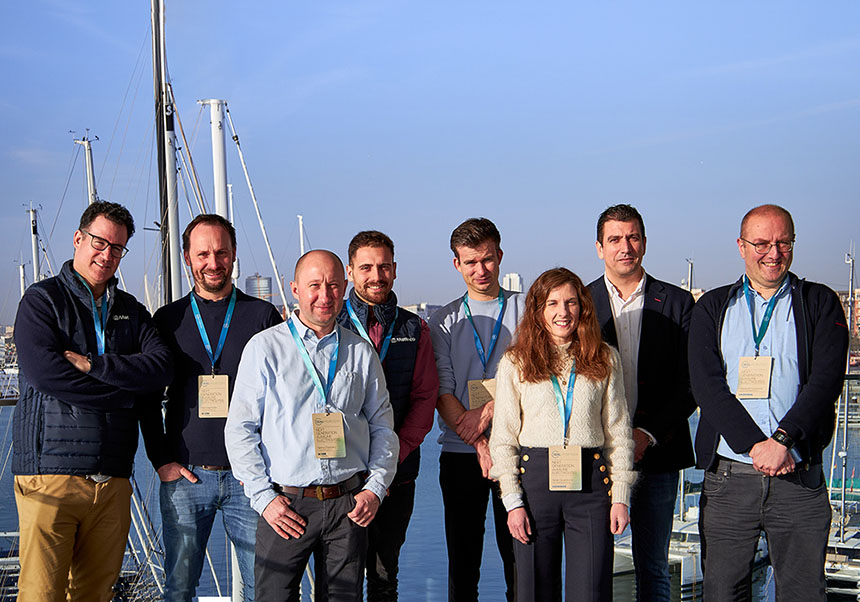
{"x":533,"y":350}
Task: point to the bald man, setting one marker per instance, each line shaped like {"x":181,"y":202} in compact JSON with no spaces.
{"x":767,"y":355}
{"x":311,"y":434}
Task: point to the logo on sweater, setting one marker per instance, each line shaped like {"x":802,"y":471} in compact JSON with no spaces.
{"x":120,"y":317}
{"x":403,"y":339}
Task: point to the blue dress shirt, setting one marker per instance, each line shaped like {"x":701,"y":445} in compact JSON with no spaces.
{"x":269,"y":434}
{"x":780,"y":343}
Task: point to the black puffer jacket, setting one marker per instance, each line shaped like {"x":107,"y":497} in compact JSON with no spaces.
{"x":68,"y":422}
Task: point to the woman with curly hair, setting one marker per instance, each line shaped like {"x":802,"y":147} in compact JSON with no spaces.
{"x":561,"y":444}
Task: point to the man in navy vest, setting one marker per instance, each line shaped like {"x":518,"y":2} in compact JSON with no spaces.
{"x":402,"y":340}
{"x":89,"y":355}
{"x":207,"y":331}
{"x":647,"y":320}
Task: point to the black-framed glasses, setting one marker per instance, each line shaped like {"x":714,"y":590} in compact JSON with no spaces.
{"x":763,"y":248}
{"x":100,"y":244}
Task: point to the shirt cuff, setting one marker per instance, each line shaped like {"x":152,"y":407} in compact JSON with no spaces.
{"x":263,"y":500}
{"x":376,"y":489}
{"x":512,"y":501}
{"x":647,"y":434}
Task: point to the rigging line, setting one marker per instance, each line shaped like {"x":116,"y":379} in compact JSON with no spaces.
{"x":48,"y":255}
{"x":119,"y":115}
{"x":193,"y":171}
{"x":134,"y":98}
{"x":238,"y":218}
{"x":76,"y":152}
{"x":256,"y":206}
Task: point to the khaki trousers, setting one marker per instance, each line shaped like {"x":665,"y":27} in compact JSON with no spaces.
{"x":73,"y":534}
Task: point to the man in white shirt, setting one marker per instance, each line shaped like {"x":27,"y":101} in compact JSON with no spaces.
{"x":648,"y":321}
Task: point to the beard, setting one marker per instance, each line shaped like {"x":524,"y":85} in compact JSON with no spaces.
{"x":212,"y":286}
{"x":374,"y":296}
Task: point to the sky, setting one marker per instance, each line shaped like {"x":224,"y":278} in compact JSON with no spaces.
{"x":409,"y":117}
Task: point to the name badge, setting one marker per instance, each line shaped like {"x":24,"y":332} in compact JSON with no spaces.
{"x":212,"y":395}
{"x":329,"y":440}
{"x":481,"y":391}
{"x":754,"y":377}
{"x":565,"y":468}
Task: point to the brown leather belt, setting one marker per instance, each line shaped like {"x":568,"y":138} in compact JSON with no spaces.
{"x":325,"y":492}
{"x":210,"y":467}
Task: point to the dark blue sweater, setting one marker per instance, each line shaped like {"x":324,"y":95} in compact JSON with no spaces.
{"x":822,"y":345}
{"x":186,"y":438}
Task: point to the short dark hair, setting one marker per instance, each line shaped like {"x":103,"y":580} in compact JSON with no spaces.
{"x":368,"y":238}
{"x":474,"y":232}
{"x":213,"y":219}
{"x":619,"y":213}
{"x":111,"y":211}
{"x":768,"y":209}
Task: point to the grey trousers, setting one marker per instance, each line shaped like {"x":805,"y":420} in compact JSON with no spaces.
{"x":338,"y":545}
{"x":737,"y":504}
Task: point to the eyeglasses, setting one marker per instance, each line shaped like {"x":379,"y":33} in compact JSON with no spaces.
{"x":763,"y":248}
{"x":100,"y":244}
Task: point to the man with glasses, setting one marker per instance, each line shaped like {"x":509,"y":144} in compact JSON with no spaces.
{"x":767,"y":356}
{"x":87,"y":352}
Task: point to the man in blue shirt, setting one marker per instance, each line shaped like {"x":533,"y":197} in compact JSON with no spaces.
{"x":767,"y":356}
{"x":310,"y":433}
{"x":206,"y":331}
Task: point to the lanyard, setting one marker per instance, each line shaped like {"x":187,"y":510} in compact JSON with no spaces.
{"x":99,"y":322}
{"x":565,"y":405}
{"x":363,"y":332}
{"x":765,"y":321}
{"x":332,"y":365}
{"x":496,"y":329}
{"x":213,"y":357}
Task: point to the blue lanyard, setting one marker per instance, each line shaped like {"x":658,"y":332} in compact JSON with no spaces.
{"x":99,"y":322}
{"x":565,"y":405}
{"x":332,"y":365}
{"x":496,"y":329}
{"x":758,"y":336}
{"x":213,"y":357}
{"x":363,"y":332}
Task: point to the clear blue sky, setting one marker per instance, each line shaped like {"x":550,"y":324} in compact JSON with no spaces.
{"x":411,"y":116}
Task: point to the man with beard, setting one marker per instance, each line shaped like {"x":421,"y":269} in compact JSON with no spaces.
{"x":207,"y":331}
{"x":402,"y":341}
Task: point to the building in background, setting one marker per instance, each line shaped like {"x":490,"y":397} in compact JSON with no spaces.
{"x":259,"y":286}
{"x":423,"y":310}
{"x":512,"y":282}
{"x":853,"y":314}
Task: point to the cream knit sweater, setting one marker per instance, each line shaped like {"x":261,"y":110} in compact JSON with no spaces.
{"x":527,"y":415}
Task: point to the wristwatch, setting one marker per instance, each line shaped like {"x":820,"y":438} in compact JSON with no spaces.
{"x":783,"y":438}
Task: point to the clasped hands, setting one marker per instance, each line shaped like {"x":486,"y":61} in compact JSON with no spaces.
{"x":771,"y":458}
{"x":289,"y":524}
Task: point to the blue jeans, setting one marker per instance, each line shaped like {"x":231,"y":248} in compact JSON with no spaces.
{"x":652,"y":508}
{"x":187,"y":513}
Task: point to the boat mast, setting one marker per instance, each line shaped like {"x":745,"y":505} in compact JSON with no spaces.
{"x":23,"y":277}
{"x":166,"y":141}
{"x":219,"y":154}
{"x":301,"y":235}
{"x":91,"y":178}
{"x":34,"y":243}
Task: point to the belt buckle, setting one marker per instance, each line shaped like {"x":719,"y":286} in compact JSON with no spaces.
{"x":319,"y":490}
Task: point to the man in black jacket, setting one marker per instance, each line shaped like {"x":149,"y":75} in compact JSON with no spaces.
{"x":88,"y":352}
{"x":402,"y":340}
{"x":206,"y":330}
{"x":766,"y":365}
{"x":647,"y":321}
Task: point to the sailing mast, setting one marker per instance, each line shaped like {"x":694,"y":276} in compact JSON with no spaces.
{"x":91,"y":179}
{"x":171,"y":256}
